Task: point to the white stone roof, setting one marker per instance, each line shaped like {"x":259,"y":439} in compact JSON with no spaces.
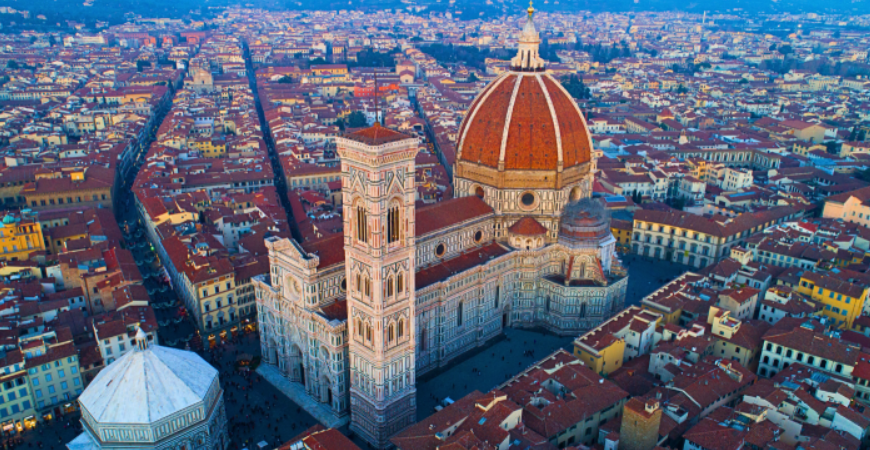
{"x":82,"y":442}
{"x":145,"y":386}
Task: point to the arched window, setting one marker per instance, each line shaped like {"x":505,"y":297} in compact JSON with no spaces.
{"x":361,"y":224}
{"x":400,"y":283}
{"x":358,"y":283}
{"x":388,"y":287}
{"x":391,"y":333}
{"x":393,"y":224}
{"x":368,"y":332}
{"x":401,"y":328}
{"x":367,"y":288}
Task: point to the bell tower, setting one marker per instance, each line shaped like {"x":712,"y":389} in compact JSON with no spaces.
{"x":377,"y":173}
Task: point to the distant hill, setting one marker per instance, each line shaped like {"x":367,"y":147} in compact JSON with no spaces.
{"x":114,"y":12}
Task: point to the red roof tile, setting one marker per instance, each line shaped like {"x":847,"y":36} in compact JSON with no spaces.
{"x":527,"y":226}
{"x":449,"y":212}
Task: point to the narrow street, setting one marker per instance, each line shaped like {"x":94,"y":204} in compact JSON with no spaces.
{"x":256,"y":410}
{"x":175,"y":329}
{"x":280,"y":181}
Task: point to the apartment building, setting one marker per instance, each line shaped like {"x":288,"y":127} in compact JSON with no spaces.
{"x":696,"y":240}
{"x":20,"y":236}
{"x":53,"y":372}
{"x":843,"y":301}
{"x":802,"y":341}
{"x":626,"y":335}
{"x":17,"y":411}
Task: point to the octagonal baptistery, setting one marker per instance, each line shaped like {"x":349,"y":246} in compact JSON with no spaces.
{"x":154,"y":398}
{"x":524,"y":146}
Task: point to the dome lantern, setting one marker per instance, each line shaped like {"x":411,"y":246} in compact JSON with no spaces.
{"x":527,"y":58}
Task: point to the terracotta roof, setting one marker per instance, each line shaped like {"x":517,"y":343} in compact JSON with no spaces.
{"x":862,"y":194}
{"x":376,"y":135}
{"x":816,"y":344}
{"x":729,"y":227}
{"x":449,"y":212}
{"x":445,"y":269}
{"x":330,"y":249}
{"x":527,"y":226}
{"x":336,"y":310}
{"x":522,"y":105}
{"x":319,"y":438}
{"x":711,"y":435}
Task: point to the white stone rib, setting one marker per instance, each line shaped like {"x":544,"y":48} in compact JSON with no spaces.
{"x":507,"y":120}
{"x":553,"y":115}
{"x":582,"y":117}
{"x":472,"y":114}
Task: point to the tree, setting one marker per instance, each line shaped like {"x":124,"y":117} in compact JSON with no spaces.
{"x":472,"y":78}
{"x":286,"y":79}
{"x":575,"y":87}
{"x":12,"y":64}
{"x":864,"y":175}
{"x":356,"y":119}
{"x":682,"y":89}
{"x":142,"y":64}
{"x":318,"y":60}
{"x":786,"y":49}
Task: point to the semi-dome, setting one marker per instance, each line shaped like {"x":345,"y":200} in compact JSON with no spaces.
{"x":523,"y":121}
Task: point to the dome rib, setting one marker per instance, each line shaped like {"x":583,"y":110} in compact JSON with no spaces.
{"x":472,"y":116}
{"x":483,"y":148}
{"x":505,"y":135}
{"x":555,"y":118}
{"x":577,"y":131}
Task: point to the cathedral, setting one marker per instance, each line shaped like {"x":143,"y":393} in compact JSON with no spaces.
{"x":355,"y":318}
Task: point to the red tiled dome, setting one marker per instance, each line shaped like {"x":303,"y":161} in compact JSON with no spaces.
{"x":527,"y":226}
{"x":525,"y":121}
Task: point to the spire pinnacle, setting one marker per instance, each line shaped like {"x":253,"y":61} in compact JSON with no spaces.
{"x":531,"y":10}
